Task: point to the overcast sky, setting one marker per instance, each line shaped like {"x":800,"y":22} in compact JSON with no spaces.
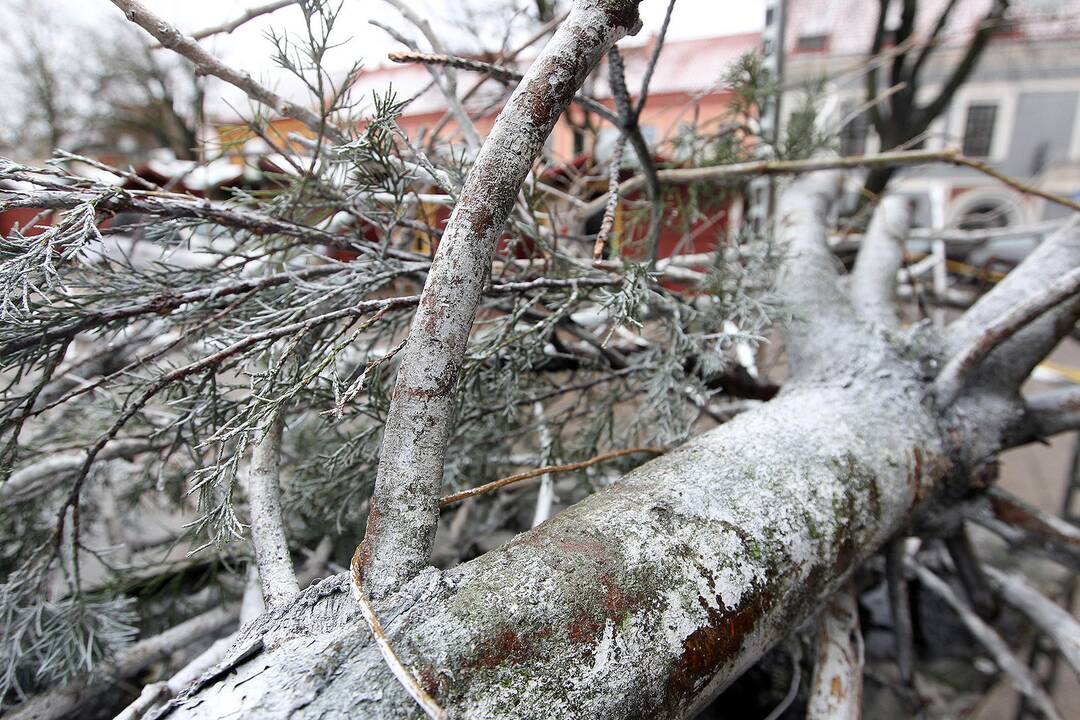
{"x":249,"y":49}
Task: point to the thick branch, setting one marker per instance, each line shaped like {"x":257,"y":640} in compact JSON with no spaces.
{"x":808,"y":278}
{"x":404,"y":506}
{"x":1008,"y":367}
{"x":873,"y":281}
{"x":836,"y":687}
{"x":967,"y":359}
{"x":1055,"y":412}
{"x":646,"y":599}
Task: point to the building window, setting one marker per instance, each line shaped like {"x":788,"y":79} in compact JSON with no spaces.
{"x":853,"y":134}
{"x":979,"y":129}
{"x":810,"y":43}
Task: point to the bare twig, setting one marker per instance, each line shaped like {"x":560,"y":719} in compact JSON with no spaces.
{"x":612,"y":206}
{"x":228,"y":27}
{"x":417,"y":693}
{"x":206,"y":64}
{"x":719,"y":173}
{"x":1051,"y":619}
{"x":446,"y":80}
{"x":550,"y":469}
{"x":1027,"y":527}
{"x":499,"y":73}
{"x":631,"y":130}
{"x":950,"y":381}
{"x":1021,"y":677}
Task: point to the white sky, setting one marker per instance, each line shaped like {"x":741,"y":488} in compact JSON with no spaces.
{"x":248,"y":48}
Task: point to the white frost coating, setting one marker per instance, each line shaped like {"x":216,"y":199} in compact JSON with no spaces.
{"x":1011,"y":363}
{"x":268,"y":537}
{"x":660,"y":590}
{"x":808,"y":276}
{"x":404,"y":507}
{"x":873,"y":280}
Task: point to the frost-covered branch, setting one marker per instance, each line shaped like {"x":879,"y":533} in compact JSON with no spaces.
{"x":836,"y":688}
{"x":404,"y":508}
{"x":268,"y":537}
{"x":881,"y":255}
{"x":950,"y":382}
{"x":1054,"y":412}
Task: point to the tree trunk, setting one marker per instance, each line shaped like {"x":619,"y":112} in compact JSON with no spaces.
{"x":646,"y":599}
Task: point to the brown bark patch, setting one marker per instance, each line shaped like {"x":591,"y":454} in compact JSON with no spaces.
{"x":705,"y":649}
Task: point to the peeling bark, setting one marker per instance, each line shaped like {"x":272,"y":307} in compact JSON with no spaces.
{"x":836,"y":688}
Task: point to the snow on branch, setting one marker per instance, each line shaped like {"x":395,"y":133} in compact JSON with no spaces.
{"x":873,"y":281}
{"x":404,"y":507}
{"x":950,"y":382}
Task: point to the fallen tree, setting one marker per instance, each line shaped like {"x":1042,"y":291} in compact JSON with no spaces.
{"x":650,"y":597}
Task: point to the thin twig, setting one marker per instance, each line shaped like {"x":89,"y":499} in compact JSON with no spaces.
{"x":228,"y":27}
{"x":688,"y":176}
{"x":499,"y":73}
{"x":612,"y":206}
{"x":550,"y":469}
{"x":206,"y":64}
{"x":417,"y":693}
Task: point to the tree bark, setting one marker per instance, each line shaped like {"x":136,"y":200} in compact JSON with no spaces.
{"x":404,"y":507}
{"x":646,"y":599}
